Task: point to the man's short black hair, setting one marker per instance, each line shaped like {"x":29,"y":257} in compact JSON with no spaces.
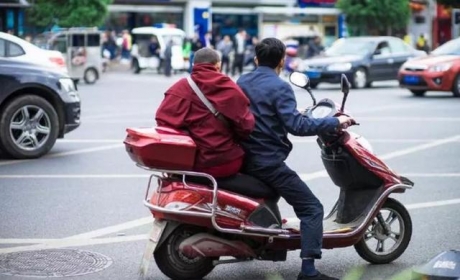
{"x":270,"y":52}
{"x":206,"y":55}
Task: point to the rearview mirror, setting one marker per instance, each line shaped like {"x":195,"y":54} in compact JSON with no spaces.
{"x":345,"y":84}
{"x":299,"y":79}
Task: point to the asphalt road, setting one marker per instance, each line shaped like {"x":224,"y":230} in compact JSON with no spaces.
{"x":87,"y":194}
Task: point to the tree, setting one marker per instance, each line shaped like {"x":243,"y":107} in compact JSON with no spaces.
{"x":375,"y":17}
{"x":69,"y":13}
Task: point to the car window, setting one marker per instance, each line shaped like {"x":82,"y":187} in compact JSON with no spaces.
{"x":14,"y":50}
{"x":350,"y":46}
{"x":384,"y":48}
{"x":78,"y":40}
{"x":2,"y":48}
{"x":398,"y":46}
{"x":59,"y":44}
{"x":450,"y":48}
{"x":94,"y":40}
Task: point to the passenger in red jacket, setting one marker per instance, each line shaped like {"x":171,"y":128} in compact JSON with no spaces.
{"x":219,"y":153}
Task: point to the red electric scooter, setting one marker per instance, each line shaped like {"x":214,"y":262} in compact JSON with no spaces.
{"x":197,"y":222}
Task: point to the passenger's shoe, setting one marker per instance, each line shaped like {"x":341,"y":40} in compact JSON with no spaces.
{"x":318,"y":276}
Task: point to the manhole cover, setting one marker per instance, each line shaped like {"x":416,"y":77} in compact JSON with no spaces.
{"x":53,"y":263}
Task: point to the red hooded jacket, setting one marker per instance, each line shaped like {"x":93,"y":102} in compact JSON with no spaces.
{"x":218,"y":151}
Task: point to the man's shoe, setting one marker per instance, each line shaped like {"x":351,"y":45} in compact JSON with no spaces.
{"x":318,"y":276}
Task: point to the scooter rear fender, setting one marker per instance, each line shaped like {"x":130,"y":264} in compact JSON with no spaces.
{"x":169,"y":229}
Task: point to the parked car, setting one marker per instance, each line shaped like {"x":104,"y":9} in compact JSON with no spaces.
{"x":15,"y":48}
{"x":81,"y":49}
{"x":140,"y":53}
{"x":363,"y":59}
{"x":439,"y":71}
{"x":37,"y":105}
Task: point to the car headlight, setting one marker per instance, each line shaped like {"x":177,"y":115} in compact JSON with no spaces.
{"x":440,"y":67}
{"x":67,"y":85}
{"x":339,"y":67}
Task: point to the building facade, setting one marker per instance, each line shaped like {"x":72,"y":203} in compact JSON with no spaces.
{"x":12,"y":16}
{"x":262,"y":18}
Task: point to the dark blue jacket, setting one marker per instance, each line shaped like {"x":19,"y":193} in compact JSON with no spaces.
{"x":275,"y":110}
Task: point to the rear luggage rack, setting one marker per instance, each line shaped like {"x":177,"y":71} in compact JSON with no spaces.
{"x":246,"y":230}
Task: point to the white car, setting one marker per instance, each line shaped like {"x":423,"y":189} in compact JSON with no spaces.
{"x":140,"y":53}
{"x":17,"y":49}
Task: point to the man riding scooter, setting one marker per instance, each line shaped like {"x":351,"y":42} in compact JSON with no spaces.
{"x":275,"y":110}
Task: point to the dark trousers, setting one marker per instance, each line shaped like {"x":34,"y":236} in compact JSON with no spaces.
{"x":306,"y":206}
{"x":167,"y":67}
{"x":238,"y":63}
{"x":225,"y":64}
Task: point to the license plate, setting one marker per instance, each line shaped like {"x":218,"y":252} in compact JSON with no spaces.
{"x":411,"y":79}
{"x":313,"y":74}
{"x":154,"y":237}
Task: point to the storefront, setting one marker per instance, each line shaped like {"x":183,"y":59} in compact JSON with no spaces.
{"x":128,"y":14}
{"x":12,"y":16}
{"x":260,"y":18}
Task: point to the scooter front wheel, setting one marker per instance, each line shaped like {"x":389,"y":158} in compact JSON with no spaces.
{"x":176,"y":265}
{"x":388,"y":236}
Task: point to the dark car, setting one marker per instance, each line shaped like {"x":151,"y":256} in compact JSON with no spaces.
{"x":37,"y":106}
{"x":362,"y":59}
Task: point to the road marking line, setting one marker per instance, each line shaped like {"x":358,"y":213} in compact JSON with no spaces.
{"x":360,"y":119}
{"x":421,"y":147}
{"x":293,"y":139}
{"x":372,"y":141}
{"x":90,"y":240}
{"x":432,"y":204}
{"x":387,"y":108}
{"x":431,"y":175}
{"x":310,"y":176}
{"x":75,"y":176}
{"x":411,"y":119}
{"x":68,"y":153}
{"x":111,"y":115}
{"x":403,"y":152}
{"x":64,"y":243}
{"x":90,"y":141}
{"x":112,"y":229}
{"x":318,"y":174}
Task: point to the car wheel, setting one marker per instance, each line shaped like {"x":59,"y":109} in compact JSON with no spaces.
{"x":456,"y":86}
{"x":360,"y":78}
{"x":91,"y":76}
{"x":29,"y":127}
{"x":418,"y":93}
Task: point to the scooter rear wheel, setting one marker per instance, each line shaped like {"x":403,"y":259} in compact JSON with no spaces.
{"x":177,"y":266}
{"x":381,"y":251}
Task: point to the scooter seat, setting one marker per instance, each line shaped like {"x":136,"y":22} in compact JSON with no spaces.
{"x":240,"y":183}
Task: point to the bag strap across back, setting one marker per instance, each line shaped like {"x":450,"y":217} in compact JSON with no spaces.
{"x":206,"y":102}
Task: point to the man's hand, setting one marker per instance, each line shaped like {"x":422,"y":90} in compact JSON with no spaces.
{"x":345,"y":121}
